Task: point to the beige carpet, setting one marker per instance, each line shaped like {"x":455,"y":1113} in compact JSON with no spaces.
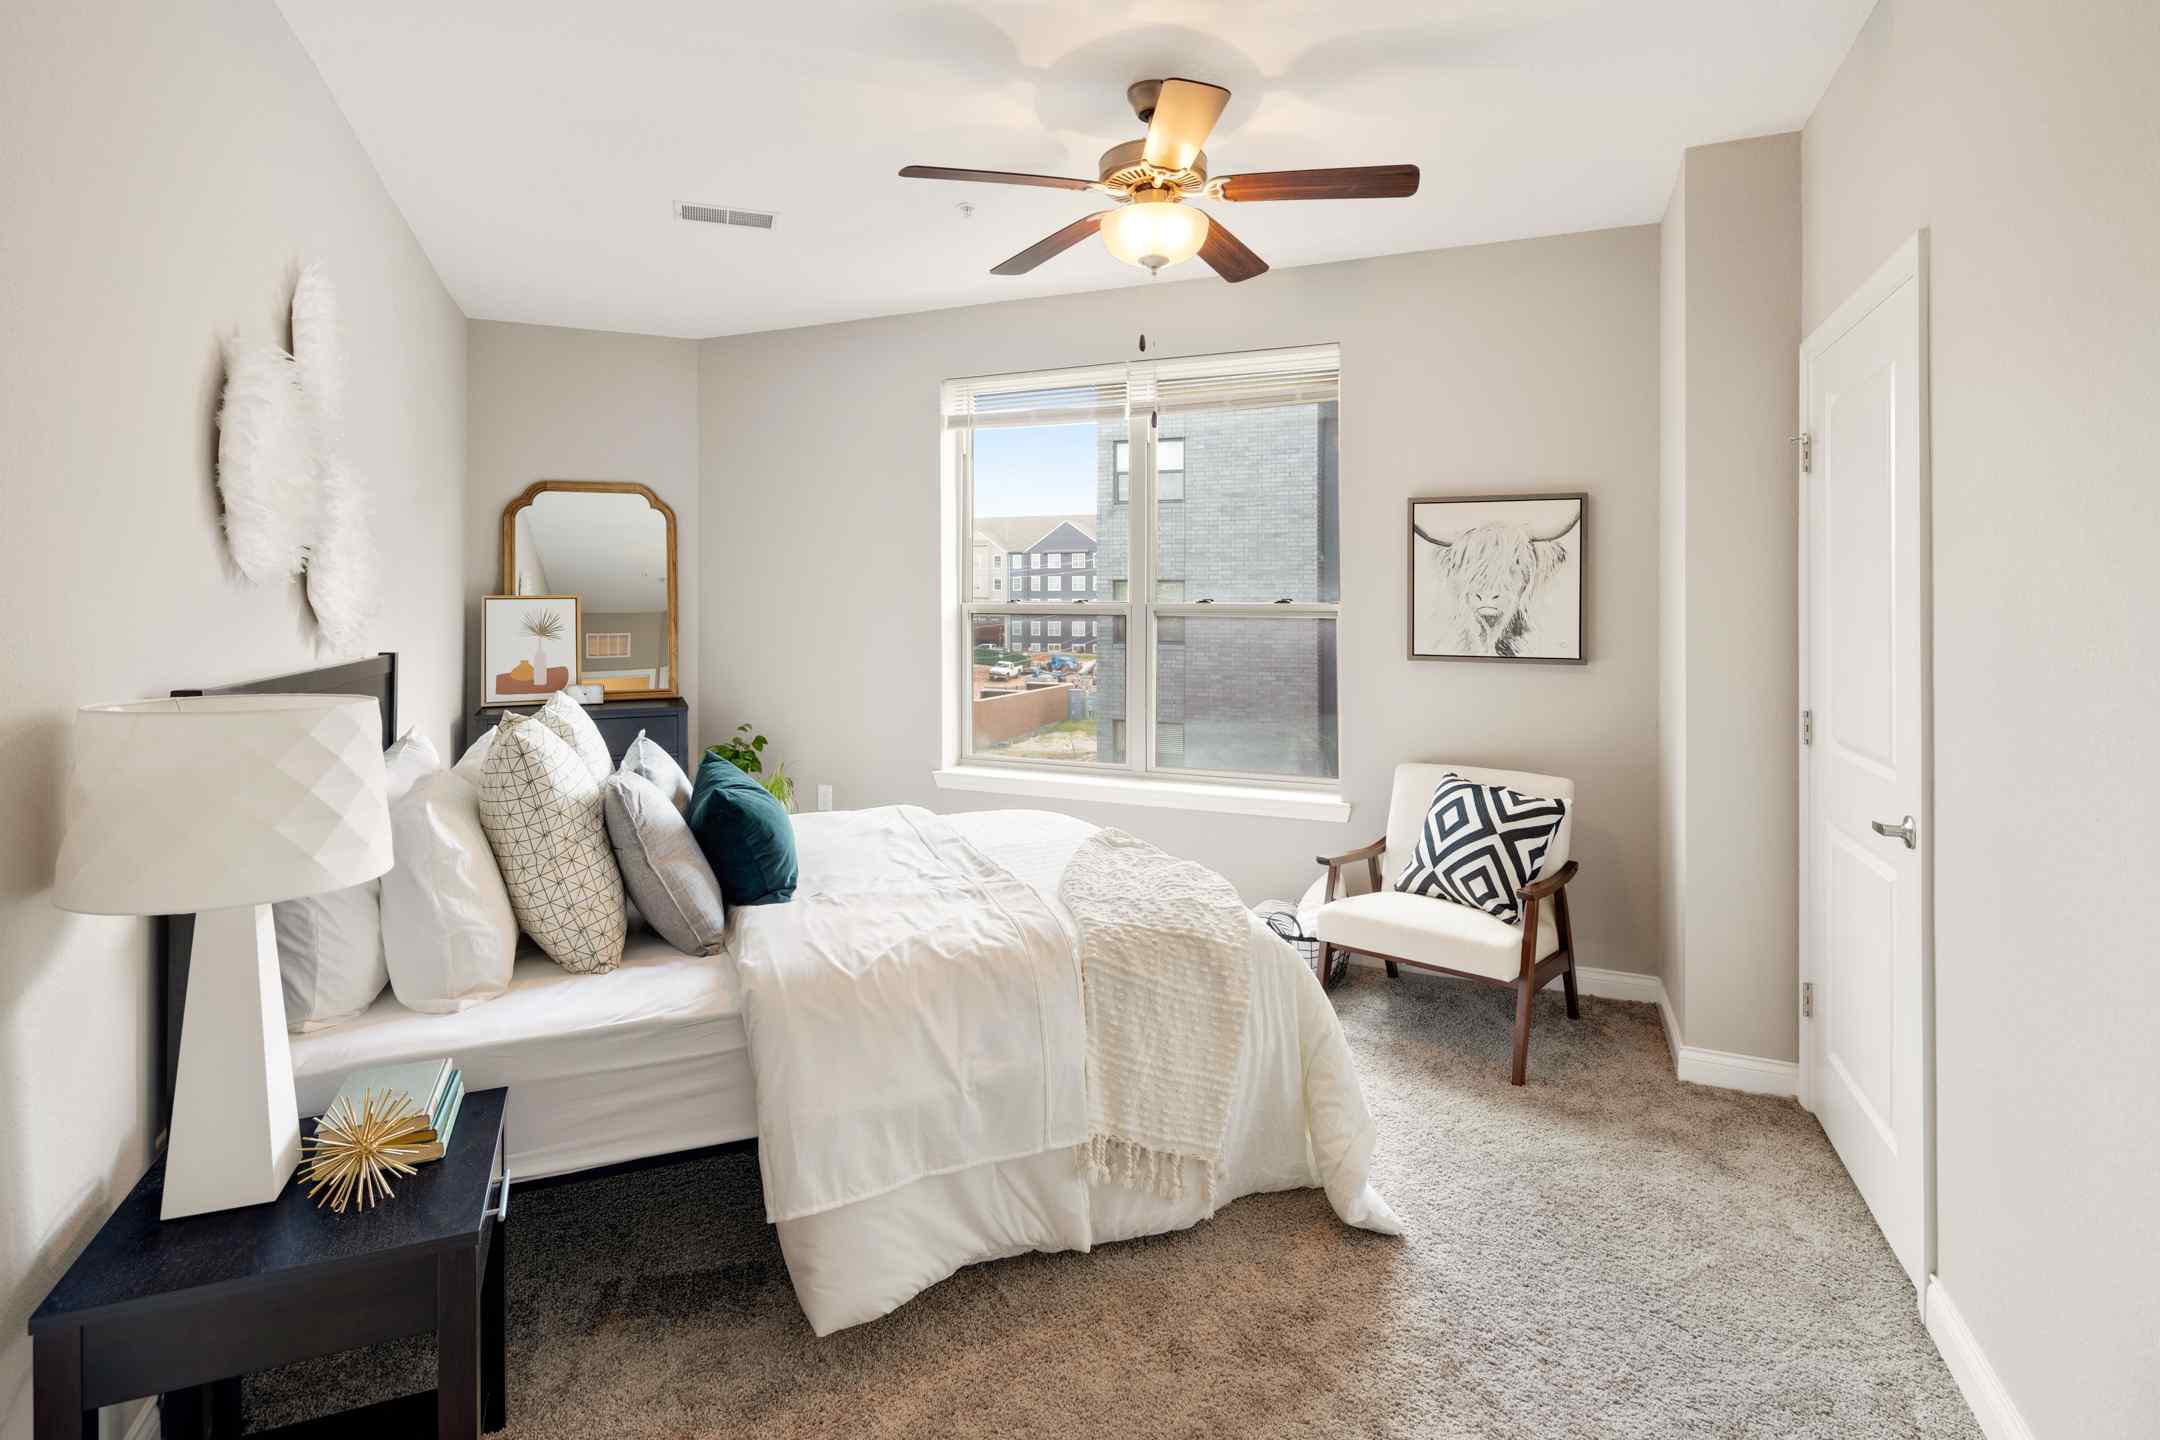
{"x":1606,"y":1252}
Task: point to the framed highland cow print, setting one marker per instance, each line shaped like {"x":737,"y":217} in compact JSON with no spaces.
{"x":1498,"y":577}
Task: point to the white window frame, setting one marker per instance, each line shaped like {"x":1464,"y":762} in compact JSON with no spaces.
{"x":1137,"y":780}
{"x":1056,"y":560}
{"x":1057,"y":585}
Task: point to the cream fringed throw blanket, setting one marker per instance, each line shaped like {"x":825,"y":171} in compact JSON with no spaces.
{"x":1164,"y":974}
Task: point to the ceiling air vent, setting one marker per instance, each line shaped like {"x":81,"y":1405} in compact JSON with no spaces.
{"x":724,"y":215}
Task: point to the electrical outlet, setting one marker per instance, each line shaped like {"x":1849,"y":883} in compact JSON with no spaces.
{"x":824,"y":797}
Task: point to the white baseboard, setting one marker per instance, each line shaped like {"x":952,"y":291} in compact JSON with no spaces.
{"x":1619,"y":985}
{"x":1723,"y":1068}
{"x":1982,"y":1387}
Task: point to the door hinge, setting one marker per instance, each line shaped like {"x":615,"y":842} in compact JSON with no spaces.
{"x":1807,"y":727}
{"x":1806,"y":442}
{"x":1807,"y":1000}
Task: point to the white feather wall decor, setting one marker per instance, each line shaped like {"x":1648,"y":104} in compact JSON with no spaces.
{"x":292,"y":501}
{"x":266,"y":462}
{"x":341,"y":564}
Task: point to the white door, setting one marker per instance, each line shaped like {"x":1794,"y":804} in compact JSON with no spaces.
{"x":1865,"y":930}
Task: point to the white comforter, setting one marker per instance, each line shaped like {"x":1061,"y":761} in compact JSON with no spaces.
{"x":893,"y":1154}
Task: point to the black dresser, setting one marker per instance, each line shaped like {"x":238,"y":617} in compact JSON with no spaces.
{"x":665,"y":722}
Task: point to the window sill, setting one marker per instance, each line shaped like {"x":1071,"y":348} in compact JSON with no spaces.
{"x":1282,"y":804}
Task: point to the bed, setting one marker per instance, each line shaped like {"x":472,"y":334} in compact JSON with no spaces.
{"x":660,"y":1058}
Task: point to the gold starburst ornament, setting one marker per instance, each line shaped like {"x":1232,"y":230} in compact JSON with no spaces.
{"x":354,"y":1153}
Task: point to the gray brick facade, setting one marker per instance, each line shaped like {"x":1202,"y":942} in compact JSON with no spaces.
{"x":1249,"y":517}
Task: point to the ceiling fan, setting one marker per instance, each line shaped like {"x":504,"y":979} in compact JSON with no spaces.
{"x":1152,"y":179}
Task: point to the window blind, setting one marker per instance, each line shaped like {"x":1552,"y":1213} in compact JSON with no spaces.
{"x":1300,"y":375}
{"x":1057,"y":397}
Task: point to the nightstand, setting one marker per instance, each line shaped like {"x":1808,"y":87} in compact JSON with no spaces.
{"x":185,"y":1307}
{"x":665,"y":722}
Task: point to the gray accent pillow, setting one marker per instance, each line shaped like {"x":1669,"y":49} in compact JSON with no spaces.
{"x":645,"y":758}
{"x":662,"y":867}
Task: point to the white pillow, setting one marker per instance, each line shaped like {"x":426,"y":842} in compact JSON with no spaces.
{"x":448,"y":933}
{"x":473,"y":763}
{"x":568,"y":719}
{"x":330,"y":946}
{"x":540,"y":807}
{"x":645,"y":759}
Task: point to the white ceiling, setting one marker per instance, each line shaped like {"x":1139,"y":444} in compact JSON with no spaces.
{"x":538,"y":146}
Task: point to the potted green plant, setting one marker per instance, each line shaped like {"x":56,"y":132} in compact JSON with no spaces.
{"x":745,"y":750}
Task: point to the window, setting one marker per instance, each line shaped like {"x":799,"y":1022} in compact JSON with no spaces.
{"x":997,"y":582}
{"x":1212,"y":651}
{"x":1169,"y":469}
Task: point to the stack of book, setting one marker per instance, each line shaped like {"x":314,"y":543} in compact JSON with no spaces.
{"x":435,"y":1089}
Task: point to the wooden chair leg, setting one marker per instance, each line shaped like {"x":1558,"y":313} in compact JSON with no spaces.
{"x":1526,"y":986}
{"x":1524,"y":995}
{"x":1567,"y":943}
{"x":1393,"y":971}
{"x":1327,"y":965}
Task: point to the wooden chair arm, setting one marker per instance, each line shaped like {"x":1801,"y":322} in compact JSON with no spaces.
{"x":1546,"y":885}
{"x":1366,"y":852}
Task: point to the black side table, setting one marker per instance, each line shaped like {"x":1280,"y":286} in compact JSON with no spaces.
{"x":185,"y":1307}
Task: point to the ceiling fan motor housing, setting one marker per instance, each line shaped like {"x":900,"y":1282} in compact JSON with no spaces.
{"x":1125,"y":167}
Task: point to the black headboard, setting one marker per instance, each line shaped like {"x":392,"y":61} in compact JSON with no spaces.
{"x":375,"y":677}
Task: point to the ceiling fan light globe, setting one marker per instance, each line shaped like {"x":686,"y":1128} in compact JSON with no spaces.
{"x":1155,"y":234}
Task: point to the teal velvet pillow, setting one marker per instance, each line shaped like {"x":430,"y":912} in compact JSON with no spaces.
{"x":745,"y":833}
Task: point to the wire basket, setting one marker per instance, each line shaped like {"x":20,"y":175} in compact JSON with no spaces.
{"x":1281,"y":917}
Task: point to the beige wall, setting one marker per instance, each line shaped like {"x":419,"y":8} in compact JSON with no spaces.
{"x":2023,"y":138}
{"x":167,"y":168}
{"x":1731,"y":296}
{"x":1504,"y":368}
{"x":550,"y":404}
{"x":1672,"y":597}
{"x":647,"y":630}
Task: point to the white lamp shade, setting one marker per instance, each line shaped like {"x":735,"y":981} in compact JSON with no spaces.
{"x":1155,"y":233}
{"x":211,"y":801}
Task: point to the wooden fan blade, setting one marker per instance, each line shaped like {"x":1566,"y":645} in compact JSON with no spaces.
{"x":1349,"y":182}
{"x":1185,"y":115}
{"x":1049,"y":245}
{"x":1227,"y":256}
{"x":995,"y":177}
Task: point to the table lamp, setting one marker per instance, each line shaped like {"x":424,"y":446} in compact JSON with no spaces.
{"x":222,"y":804}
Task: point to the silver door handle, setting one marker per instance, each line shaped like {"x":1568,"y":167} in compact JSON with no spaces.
{"x":1905,"y":832}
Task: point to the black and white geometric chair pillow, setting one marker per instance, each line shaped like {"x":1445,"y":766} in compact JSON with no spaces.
{"x":1480,"y":844}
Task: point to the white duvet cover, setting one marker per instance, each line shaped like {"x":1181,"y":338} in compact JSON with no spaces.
{"x":895,"y":1153}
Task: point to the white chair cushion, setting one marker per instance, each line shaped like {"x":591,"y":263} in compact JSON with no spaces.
{"x":1432,"y":932}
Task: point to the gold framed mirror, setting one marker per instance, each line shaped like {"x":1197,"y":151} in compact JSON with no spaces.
{"x":611,"y":543}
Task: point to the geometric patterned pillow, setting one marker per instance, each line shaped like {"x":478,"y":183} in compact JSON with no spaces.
{"x":540,"y":807}
{"x":568,"y":719}
{"x":1480,"y":844}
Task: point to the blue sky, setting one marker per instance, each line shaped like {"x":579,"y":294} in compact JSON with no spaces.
{"x":1035,"y":470}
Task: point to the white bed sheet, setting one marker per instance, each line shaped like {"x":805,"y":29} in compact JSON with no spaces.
{"x":1298,"y":1121}
{"x":648,"y":1060}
